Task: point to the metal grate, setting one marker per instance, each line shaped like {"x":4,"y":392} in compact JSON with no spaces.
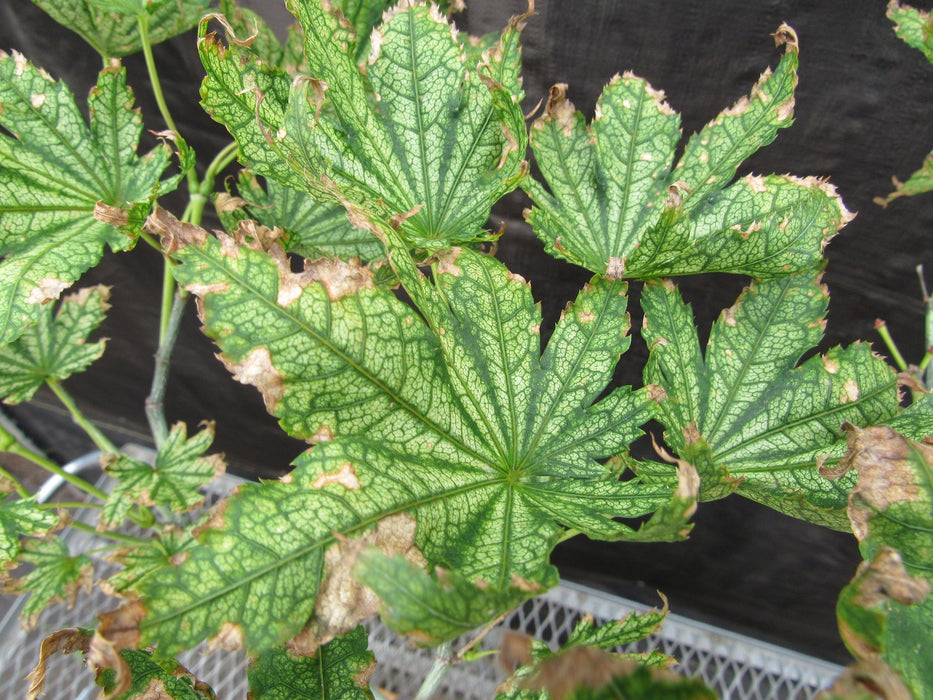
{"x":737,"y":667}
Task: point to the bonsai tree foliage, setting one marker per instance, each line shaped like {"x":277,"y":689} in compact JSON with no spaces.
{"x":450,"y":449}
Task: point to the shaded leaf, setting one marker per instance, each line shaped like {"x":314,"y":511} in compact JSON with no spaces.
{"x":63,"y":185}
{"x":180,"y":469}
{"x":57,"y":576}
{"x":432,"y":609}
{"x":422,"y":139}
{"x":110,"y":26}
{"x":55,"y":347}
{"x":312,"y":229}
{"x":20,"y":517}
{"x":394,"y":403}
{"x":644,"y":684}
{"x":615,"y":206}
{"x":340,"y":669}
{"x":746,"y":415}
{"x":887,"y":610}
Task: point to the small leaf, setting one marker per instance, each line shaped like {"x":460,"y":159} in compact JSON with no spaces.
{"x":432,"y":609}
{"x":64,"y":184}
{"x":616,"y":633}
{"x":58,"y":576}
{"x":153,"y":677}
{"x":614,"y":205}
{"x":914,"y":27}
{"x":918,"y":183}
{"x":584,"y":660}
{"x":110,"y":26}
{"x":168,"y":549}
{"x":55,"y":347}
{"x":21,"y":517}
{"x":339,"y":669}
{"x":180,"y":469}
{"x":746,"y":415}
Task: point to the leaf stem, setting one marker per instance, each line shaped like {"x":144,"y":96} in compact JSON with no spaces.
{"x":928,"y":334}
{"x":882,"y":329}
{"x":68,"y":504}
{"x":442,"y":661}
{"x":115,"y":536}
{"x":8,"y":443}
{"x":143,"y":21}
{"x":568,"y":534}
{"x":223,"y":158}
{"x":102,"y":441}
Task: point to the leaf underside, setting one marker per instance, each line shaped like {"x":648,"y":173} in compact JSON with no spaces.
{"x":115,"y":35}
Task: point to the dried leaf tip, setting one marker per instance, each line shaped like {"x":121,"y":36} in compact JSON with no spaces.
{"x":786,"y":36}
{"x":517,"y":22}
{"x":558,"y":109}
{"x":229,"y":30}
{"x":174,"y":234}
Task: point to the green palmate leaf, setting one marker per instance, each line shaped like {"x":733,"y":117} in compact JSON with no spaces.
{"x":180,"y":469}
{"x":165,"y":550}
{"x":745,"y":415}
{"x":55,"y":347}
{"x":614,"y":205}
{"x":312,"y":229}
{"x":63,"y":185}
{"x":111,"y":27}
{"x":152,"y":677}
{"x":887,"y":610}
{"x":21,"y":517}
{"x":459,"y":427}
{"x":913,"y":26}
{"x":58,"y":576}
{"x":431,"y":610}
{"x":340,"y":669}
{"x":584,"y":659}
{"x":423,"y":138}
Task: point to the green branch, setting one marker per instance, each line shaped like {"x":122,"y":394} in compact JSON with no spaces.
{"x":8,"y":443}
{"x":102,"y":441}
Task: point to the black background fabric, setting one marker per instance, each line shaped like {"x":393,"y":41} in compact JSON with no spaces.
{"x":862,"y":116}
